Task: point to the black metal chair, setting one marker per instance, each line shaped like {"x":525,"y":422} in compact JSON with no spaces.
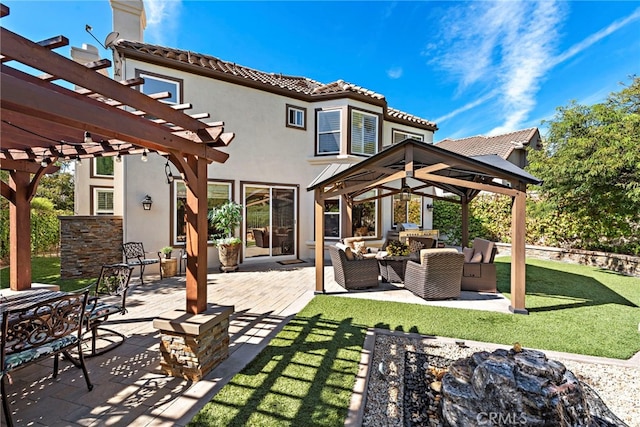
{"x":108,"y":296}
{"x":38,"y":331}
{"x":135,"y":256}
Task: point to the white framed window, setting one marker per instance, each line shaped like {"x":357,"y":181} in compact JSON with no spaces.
{"x":364,"y":216}
{"x":218,"y":193}
{"x":103,"y":201}
{"x":400,"y":135}
{"x":332,"y":223}
{"x":364,"y":133}
{"x":102,"y":167}
{"x":407,"y":211}
{"x":155,"y":83}
{"x":296,"y":117}
{"x":329,"y":125}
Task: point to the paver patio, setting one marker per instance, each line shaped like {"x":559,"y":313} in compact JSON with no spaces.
{"x":129,"y":387}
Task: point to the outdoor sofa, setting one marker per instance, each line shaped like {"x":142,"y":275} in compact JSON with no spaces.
{"x":479,"y":271}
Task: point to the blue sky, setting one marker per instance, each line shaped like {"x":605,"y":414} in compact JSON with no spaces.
{"x":479,"y":67}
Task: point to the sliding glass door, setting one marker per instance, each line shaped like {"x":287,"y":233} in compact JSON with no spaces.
{"x":270,"y":221}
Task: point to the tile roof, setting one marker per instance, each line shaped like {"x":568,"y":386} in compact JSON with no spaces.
{"x":300,"y":85}
{"x":480,"y":145}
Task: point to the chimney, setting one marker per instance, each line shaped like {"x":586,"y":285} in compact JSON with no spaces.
{"x":129,"y":19}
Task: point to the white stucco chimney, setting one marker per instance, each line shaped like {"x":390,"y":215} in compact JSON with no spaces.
{"x":129,"y":19}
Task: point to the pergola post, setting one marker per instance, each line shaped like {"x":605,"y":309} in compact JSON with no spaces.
{"x":347,"y":218}
{"x":20,"y":231}
{"x":197,"y":236}
{"x":518,"y":257}
{"x":319,"y":239}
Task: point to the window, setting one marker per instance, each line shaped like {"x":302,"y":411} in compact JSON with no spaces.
{"x":410,"y":211}
{"x":217,"y":194}
{"x":364,"y":133}
{"x":364,"y":216}
{"x":332,"y":218}
{"x":103,"y":201}
{"x":399,"y":136}
{"x":155,"y":83}
{"x":296,"y":117}
{"x":102,"y":167}
{"x":329,"y":128}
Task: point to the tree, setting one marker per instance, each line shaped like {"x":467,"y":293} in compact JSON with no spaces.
{"x":59,"y":188}
{"x":590,"y":167}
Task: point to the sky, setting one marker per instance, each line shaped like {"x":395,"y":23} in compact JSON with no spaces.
{"x":474,"y":68}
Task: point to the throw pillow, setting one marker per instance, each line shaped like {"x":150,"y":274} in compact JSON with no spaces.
{"x":360,"y":247}
{"x":468,"y":254}
{"x":415,"y":246}
{"x":477,"y":257}
{"x":349,"y":254}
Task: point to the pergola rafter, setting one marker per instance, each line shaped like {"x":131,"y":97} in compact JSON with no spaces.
{"x":422,"y":166}
{"x":43,"y":121}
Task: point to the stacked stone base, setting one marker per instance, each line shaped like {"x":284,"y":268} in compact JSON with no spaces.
{"x":192,"y":345}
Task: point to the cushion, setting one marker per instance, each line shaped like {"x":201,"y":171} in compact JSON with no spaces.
{"x":477,"y":257}
{"x":349,"y":254}
{"x":468,"y":254}
{"x":360,"y":247}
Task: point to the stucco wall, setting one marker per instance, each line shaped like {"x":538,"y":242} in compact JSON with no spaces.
{"x":625,"y":264}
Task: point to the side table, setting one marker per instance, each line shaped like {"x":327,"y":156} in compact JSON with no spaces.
{"x":392,"y":268}
{"x":169,"y":266}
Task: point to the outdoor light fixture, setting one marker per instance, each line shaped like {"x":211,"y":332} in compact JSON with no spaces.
{"x":44,"y":163}
{"x":429,"y":207}
{"x":78,"y":160}
{"x":144,"y":156}
{"x":167,"y":172}
{"x":146,"y":203}
{"x":405,"y":192}
{"x":118,"y":158}
{"x":87,"y":138}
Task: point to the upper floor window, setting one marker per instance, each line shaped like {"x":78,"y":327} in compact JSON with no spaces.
{"x":156,"y":83}
{"x":329,"y":131}
{"x":217,"y":194}
{"x":399,"y":136}
{"x":103,"y":201}
{"x":102,"y":167}
{"x":364,"y":133}
{"x":296,"y":117}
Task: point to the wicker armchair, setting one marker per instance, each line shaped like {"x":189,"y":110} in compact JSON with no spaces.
{"x":353,"y":274}
{"x":437,"y":276}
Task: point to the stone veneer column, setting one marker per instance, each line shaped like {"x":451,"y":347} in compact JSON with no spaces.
{"x":192,"y":345}
{"x":87,"y":243}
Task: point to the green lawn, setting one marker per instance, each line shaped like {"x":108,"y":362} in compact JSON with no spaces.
{"x":306,"y":374}
{"x":47,"y":270}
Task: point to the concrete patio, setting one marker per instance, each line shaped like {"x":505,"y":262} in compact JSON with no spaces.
{"x":129,"y":388}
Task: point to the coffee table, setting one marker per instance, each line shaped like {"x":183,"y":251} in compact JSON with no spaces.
{"x":392,"y":268}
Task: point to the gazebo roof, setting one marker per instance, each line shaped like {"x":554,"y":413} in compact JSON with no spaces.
{"x":422,"y":165}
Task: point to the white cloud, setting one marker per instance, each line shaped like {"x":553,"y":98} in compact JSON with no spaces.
{"x":500,"y":47}
{"x":394,"y":73}
{"x":466,"y":107}
{"x":162,"y":21}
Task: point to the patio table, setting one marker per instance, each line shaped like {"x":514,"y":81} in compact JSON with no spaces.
{"x":392,"y":268}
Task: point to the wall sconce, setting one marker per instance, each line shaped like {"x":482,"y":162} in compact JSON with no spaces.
{"x":146,"y":203}
{"x":167,"y":172}
{"x":429,"y":207}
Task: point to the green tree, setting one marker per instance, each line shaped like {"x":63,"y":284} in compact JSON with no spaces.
{"x":590,"y":167}
{"x":59,"y":188}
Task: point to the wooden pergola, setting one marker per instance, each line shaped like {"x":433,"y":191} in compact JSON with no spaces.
{"x":42,"y":122}
{"x":424,"y":166}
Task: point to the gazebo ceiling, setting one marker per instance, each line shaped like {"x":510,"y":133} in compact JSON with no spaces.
{"x":422,"y":166}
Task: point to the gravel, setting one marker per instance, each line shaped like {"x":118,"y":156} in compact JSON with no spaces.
{"x":618,"y":386}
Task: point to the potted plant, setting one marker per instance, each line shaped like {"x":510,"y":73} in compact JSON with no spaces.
{"x":167,"y":251}
{"x":227,"y":218}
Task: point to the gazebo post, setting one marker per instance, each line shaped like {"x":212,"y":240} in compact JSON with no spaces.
{"x":464,"y":240}
{"x":319,"y":238}
{"x":347,"y":218}
{"x":518,"y":257}
{"x":20,"y":231}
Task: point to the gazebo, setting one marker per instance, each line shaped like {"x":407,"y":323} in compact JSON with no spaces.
{"x":423,"y":166}
{"x":43,"y":121}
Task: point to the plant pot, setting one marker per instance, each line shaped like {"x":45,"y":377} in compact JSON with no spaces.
{"x":167,"y":256}
{"x":229,"y":254}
